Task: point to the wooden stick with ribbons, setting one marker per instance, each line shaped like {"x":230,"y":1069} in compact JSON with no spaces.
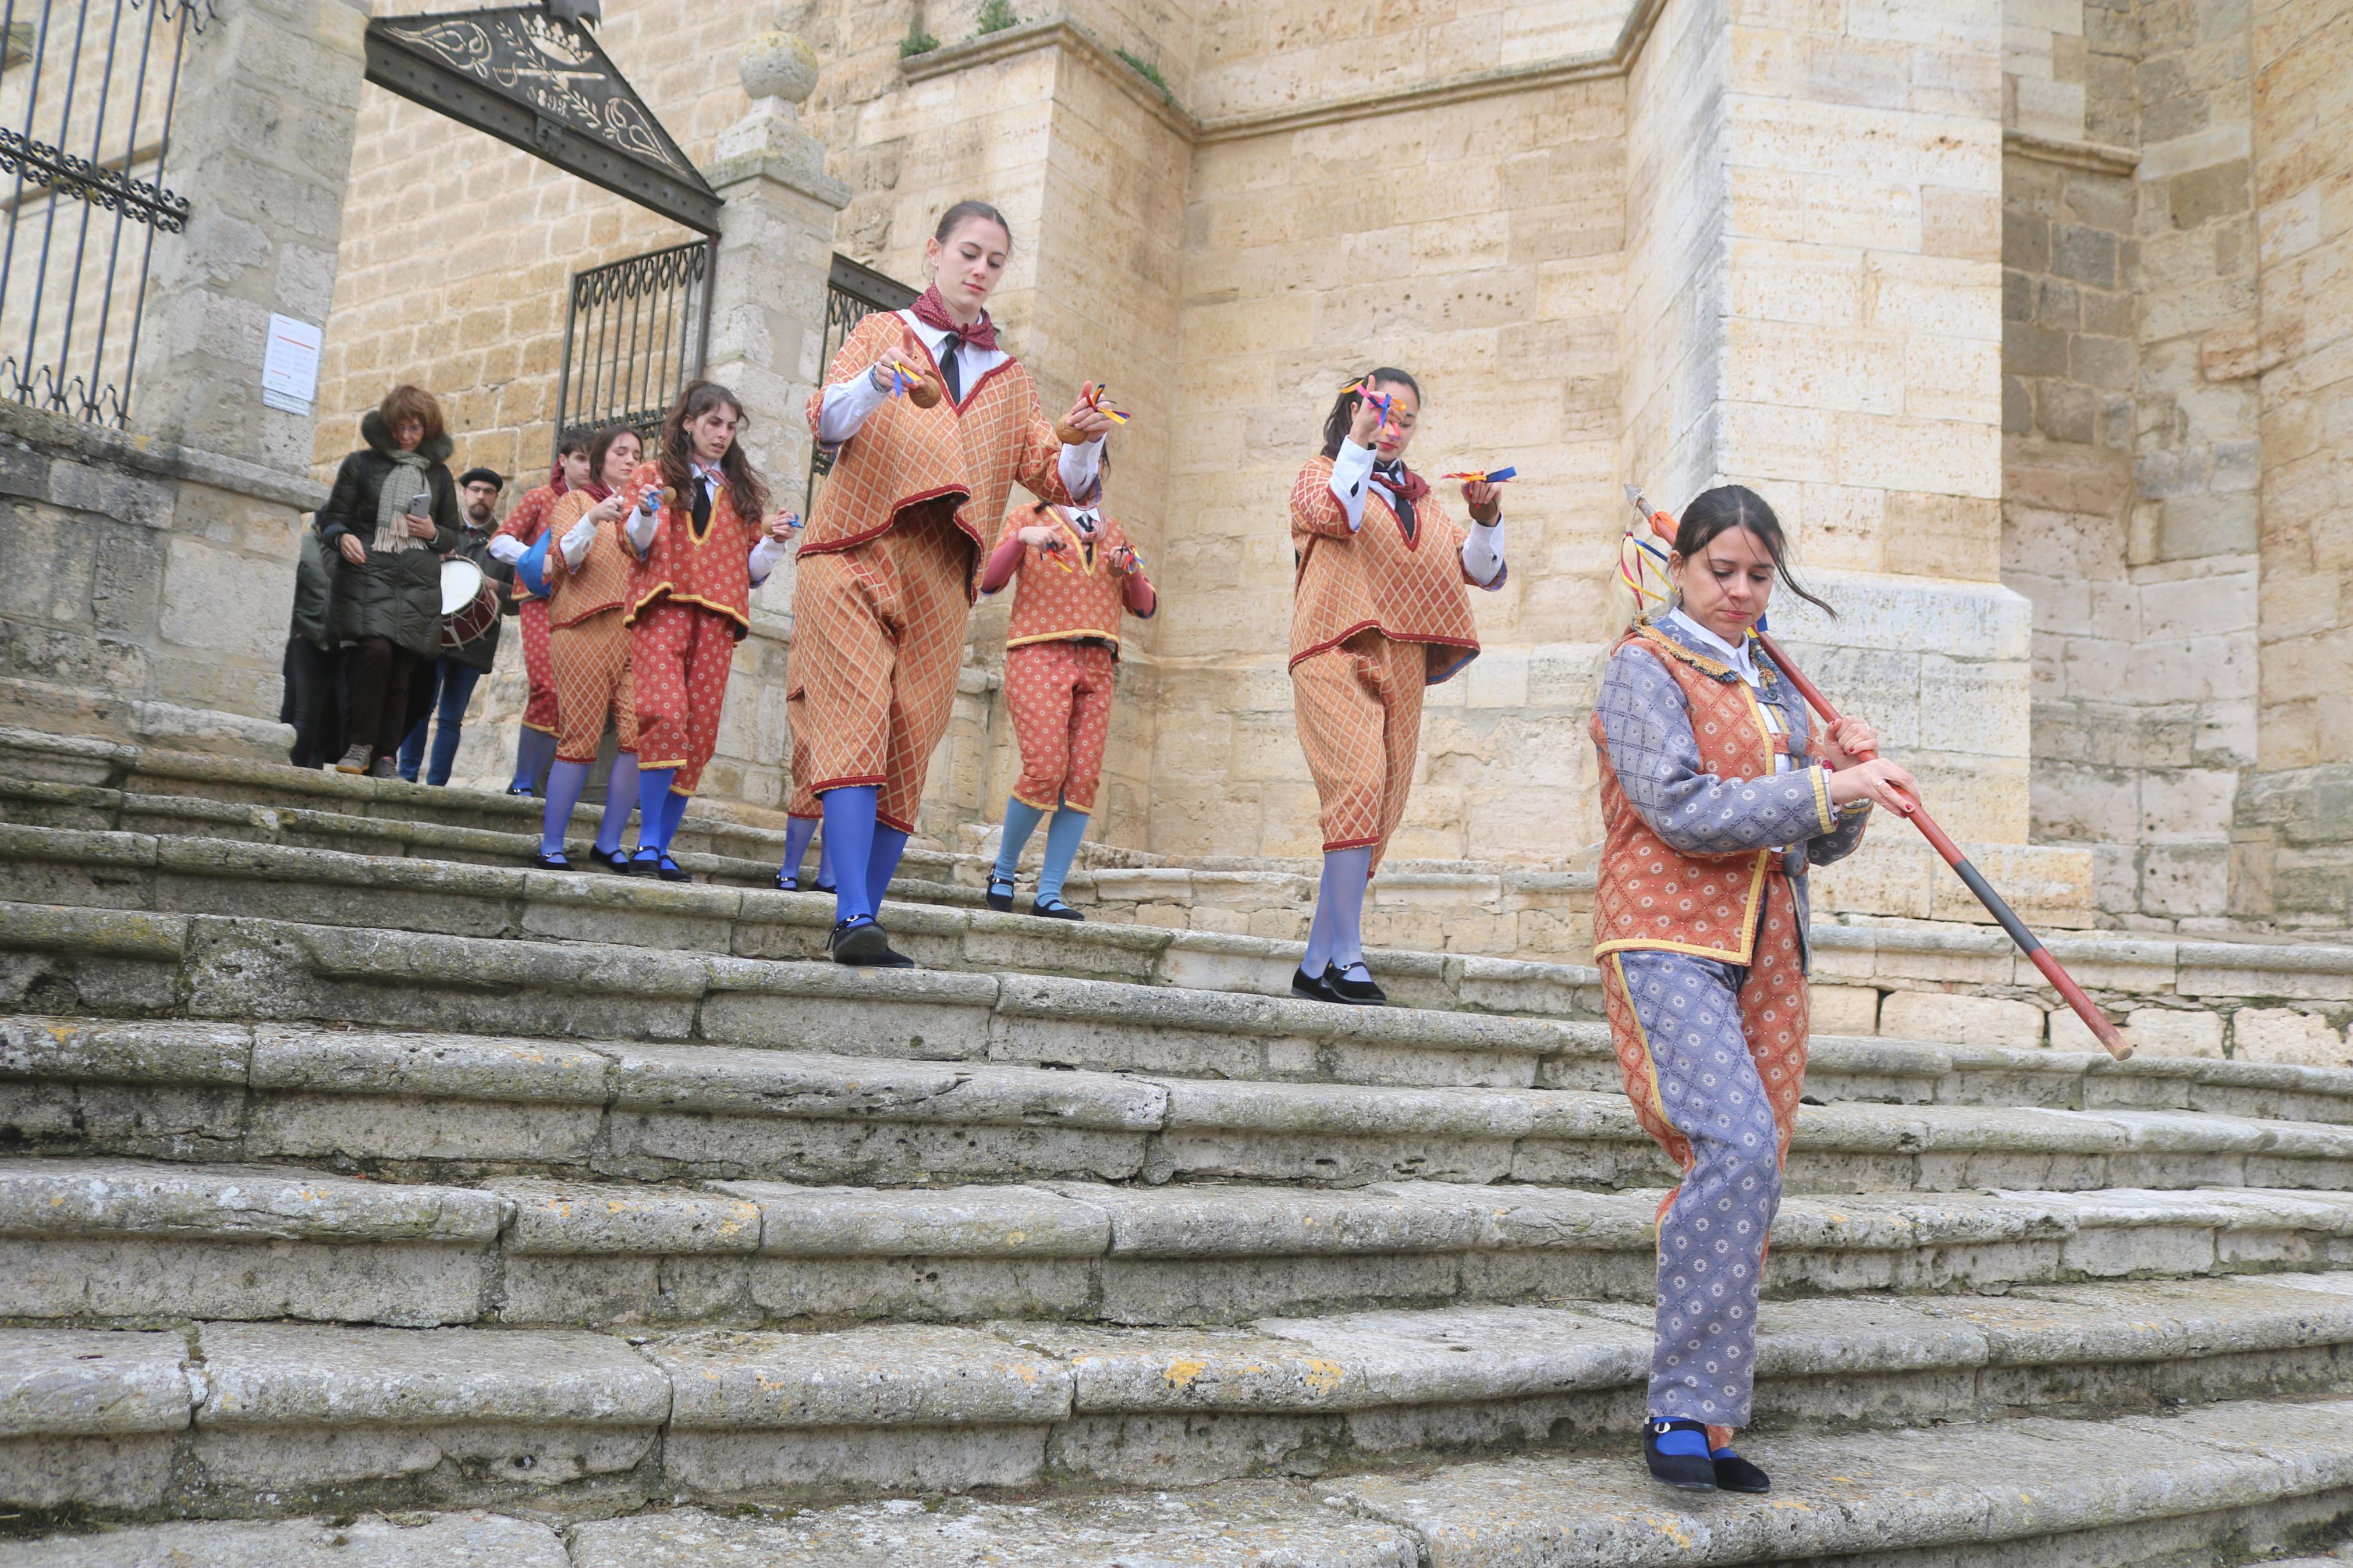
{"x":1918,"y":814}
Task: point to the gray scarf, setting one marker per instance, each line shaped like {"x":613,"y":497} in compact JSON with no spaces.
{"x":408,"y":478}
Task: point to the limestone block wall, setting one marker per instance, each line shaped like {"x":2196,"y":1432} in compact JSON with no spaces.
{"x":2296,"y":813}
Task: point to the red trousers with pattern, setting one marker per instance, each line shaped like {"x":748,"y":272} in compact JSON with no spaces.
{"x":878,"y":636}
{"x":1359,"y":712}
{"x":539,"y":711}
{"x":679,"y":658}
{"x":1060,"y":696}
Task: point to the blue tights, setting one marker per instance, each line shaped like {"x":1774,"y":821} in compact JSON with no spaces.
{"x":865,"y":851}
{"x":1336,"y":935}
{"x":1062,"y":837}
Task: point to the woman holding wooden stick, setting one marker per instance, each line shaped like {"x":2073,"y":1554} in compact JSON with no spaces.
{"x":1716,"y":800}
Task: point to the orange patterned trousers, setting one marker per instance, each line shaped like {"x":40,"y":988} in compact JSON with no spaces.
{"x":591,"y":682}
{"x":539,"y":710}
{"x":1359,"y":712}
{"x":878,"y":635}
{"x":679,"y":658}
{"x":1059,"y":694}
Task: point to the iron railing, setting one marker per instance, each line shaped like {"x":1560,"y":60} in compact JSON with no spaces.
{"x":852,"y":292}
{"x":639,"y":331}
{"x":87,"y":91}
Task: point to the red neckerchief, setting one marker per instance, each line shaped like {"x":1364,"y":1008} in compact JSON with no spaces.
{"x":933,"y":312}
{"x":1411,"y":492}
{"x":555,"y":478}
{"x":596,"y":490}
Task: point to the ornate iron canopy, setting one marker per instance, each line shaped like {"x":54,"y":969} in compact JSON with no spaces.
{"x":542,"y":83}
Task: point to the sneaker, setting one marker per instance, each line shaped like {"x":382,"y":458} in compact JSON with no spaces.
{"x":863,"y":944}
{"x":1313,"y":987}
{"x":1057,"y":910}
{"x":385,"y":768}
{"x":1735,"y":1474}
{"x":1690,"y":1472}
{"x":1356,"y":992}
{"x":356,"y":761}
{"x":1000,"y":893}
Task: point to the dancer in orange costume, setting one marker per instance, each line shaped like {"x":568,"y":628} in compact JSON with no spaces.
{"x":535,"y":746}
{"x":1073,"y":572}
{"x":693,"y":520}
{"x":1378,"y":613}
{"x":587,"y":576}
{"x":934,"y":425}
{"x":1714,"y":804}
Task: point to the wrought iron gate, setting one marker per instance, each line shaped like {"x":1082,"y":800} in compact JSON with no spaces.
{"x":638,"y":331}
{"x":87,"y":91}
{"x":852,"y":292}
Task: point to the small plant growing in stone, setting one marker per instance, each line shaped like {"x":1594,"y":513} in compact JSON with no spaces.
{"x":994,"y":16}
{"x":1148,"y":71}
{"x":916,"y":42}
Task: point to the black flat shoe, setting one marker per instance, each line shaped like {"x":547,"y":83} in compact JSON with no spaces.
{"x":1001,"y":894}
{"x":1057,"y":910}
{"x":1311,"y":987}
{"x":864,"y":944}
{"x":823,"y":888}
{"x":546,"y":862}
{"x":643,"y":864}
{"x":1356,"y":992}
{"x":1735,"y":1474}
{"x":788,"y":884}
{"x":523,"y":790}
{"x":614,"y":860}
{"x":670,"y":870}
{"x":1684,"y":1472}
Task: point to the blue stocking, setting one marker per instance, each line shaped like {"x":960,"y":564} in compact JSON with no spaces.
{"x":825,"y":878}
{"x":849,"y":830}
{"x":673,"y":813}
{"x":564,"y":782}
{"x":653,"y":801}
{"x":1021,"y":820}
{"x":1062,"y":836}
{"x":1319,"y":927}
{"x":798,"y":830}
{"x":1346,"y":873}
{"x":534,"y":749}
{"x":883,"y":863}
{"x":620,"y":798}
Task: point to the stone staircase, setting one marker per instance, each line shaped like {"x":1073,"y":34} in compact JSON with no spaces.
{"x":371,"y":1200}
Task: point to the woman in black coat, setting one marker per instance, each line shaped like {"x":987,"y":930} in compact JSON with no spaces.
{"x":391,"y":516}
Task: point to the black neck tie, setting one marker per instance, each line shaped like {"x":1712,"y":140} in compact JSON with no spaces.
{"x":702,"y":505}
{"x":1392,"y":476}
{"x":950,"y":371}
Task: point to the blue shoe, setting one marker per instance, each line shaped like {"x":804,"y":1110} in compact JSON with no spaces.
{"x":1689,"y":1469}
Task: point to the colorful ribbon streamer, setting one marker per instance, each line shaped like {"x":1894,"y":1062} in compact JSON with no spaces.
{"x":1484,"y":475}
{"x":1096,"y":399}
{"x":1642,"y":567}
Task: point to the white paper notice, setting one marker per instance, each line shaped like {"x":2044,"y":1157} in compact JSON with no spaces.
{"x":289,"y":365}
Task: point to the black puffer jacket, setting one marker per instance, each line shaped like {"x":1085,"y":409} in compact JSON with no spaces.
{"x":314,"y":593}
{"x":396,"y":595}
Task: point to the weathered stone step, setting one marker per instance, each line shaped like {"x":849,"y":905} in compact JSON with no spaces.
{"x":237,"y":1418}
{"x":67,"y":959}
{"x":428,"y":1104}
{"x":216,"y":874}
{"x":132,"y":1243}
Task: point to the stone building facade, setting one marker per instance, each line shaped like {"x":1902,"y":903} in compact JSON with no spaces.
{"x":2030,"y":317}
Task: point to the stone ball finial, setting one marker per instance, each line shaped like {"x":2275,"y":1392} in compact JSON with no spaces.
{"x":779,"y":64}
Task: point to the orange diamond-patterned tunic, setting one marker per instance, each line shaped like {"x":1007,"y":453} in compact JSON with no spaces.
{"x":1712,"y":810}
{"x":587,"y":643}
{"x":690,"y":604}
{"x":524,"y":523}
{"x":1061,"y":650}
{"x":888,"y":567}
{"x":1376,"y":615}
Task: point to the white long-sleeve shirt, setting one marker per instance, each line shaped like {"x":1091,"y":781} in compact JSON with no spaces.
{"x":766,"y":555}
{"x":1352,"y":478}
{"x":849,"y":402}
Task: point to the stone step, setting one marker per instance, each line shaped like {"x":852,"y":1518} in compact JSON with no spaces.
{"x":204,"y":874}
{"x":240,"y":1418}
{"x":451,"y":1103}
{"x":129,"y":962}
{"x":130,"y":1243}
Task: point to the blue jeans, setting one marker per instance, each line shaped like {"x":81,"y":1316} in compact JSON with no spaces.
{"x":453,"y":685}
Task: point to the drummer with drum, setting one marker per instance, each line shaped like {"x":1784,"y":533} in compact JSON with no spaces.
{"x":473,"y":589}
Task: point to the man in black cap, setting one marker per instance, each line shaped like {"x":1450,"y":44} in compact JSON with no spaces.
{"x":448,"y":686}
